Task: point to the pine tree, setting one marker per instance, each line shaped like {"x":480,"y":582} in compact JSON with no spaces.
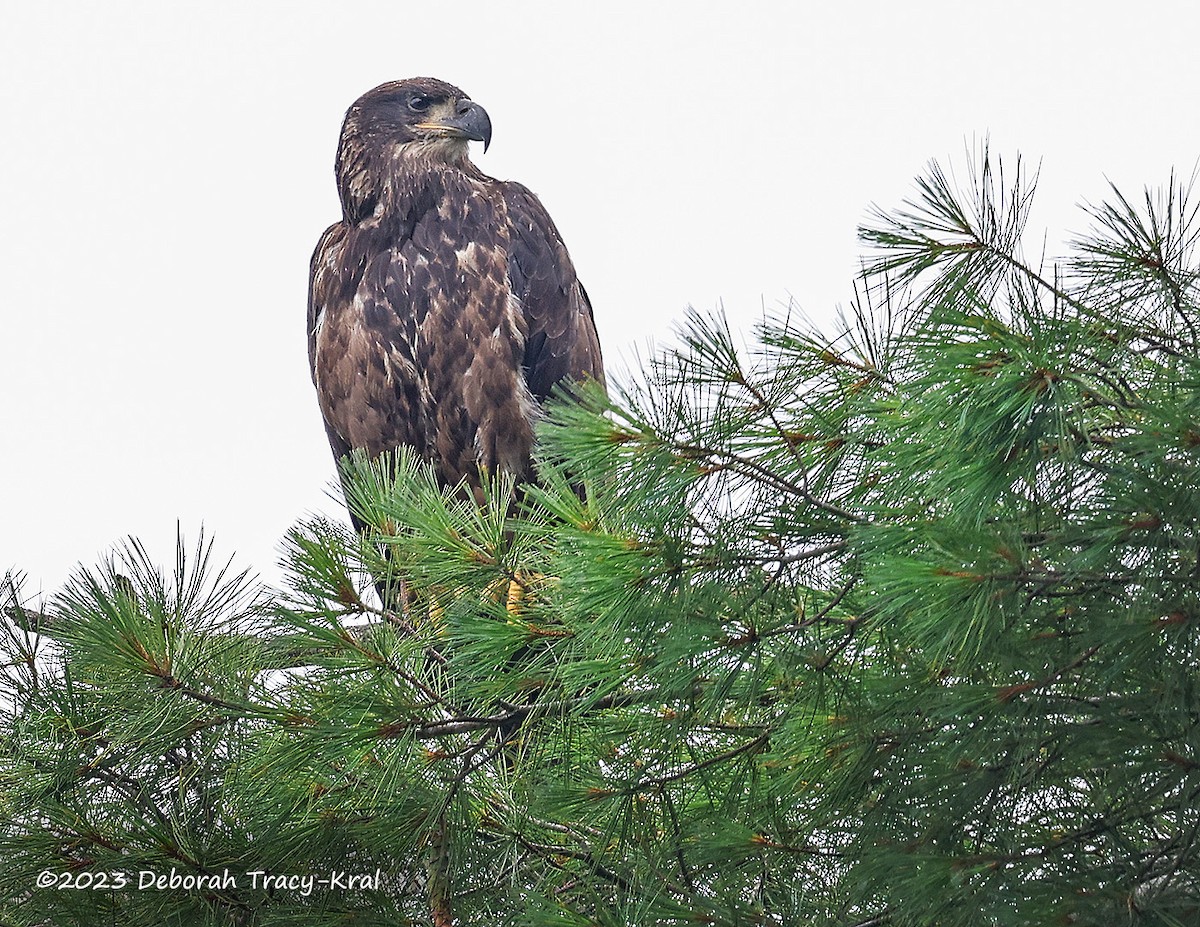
{"x":894,"y":626}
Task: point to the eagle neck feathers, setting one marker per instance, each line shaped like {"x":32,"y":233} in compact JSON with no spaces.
{"x":397,"y":183}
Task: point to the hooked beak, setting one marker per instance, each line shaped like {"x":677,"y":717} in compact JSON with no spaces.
{"x":470,"y":121}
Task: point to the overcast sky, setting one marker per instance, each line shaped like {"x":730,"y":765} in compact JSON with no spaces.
{"x":167,"y":168}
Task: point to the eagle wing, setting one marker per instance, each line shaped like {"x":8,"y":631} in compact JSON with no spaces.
{"x":560,"y":339}
{"x":322,"y":281}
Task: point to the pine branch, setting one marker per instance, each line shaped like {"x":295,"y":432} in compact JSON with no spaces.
{"x":515,"y":715}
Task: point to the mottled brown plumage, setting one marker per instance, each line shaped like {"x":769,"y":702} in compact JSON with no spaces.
{"x":443,"y":308}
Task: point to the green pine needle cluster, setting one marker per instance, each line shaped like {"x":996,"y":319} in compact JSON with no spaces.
{"x":897,"y":625}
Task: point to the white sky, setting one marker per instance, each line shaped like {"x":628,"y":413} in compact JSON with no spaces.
{"x":167,"y":167}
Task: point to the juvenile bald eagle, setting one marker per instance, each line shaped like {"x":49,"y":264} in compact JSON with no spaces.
{"x":443,"y":307}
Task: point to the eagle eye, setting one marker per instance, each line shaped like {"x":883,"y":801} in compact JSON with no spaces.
{"x":419,"y":103}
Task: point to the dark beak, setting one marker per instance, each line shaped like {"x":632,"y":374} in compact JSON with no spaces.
{"x":472,"y":121}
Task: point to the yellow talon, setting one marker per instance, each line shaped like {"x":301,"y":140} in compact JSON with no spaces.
{"x":516,"y":594}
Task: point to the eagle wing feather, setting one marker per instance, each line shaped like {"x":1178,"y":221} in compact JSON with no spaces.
{"x":560,"y":340}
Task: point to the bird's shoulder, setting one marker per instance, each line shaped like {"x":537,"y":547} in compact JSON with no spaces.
{"x":528,"y":218}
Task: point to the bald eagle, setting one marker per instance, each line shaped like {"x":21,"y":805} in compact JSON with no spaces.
{"x":443,"y":308}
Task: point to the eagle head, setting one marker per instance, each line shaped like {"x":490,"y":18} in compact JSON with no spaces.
{"x":420,"y":120}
